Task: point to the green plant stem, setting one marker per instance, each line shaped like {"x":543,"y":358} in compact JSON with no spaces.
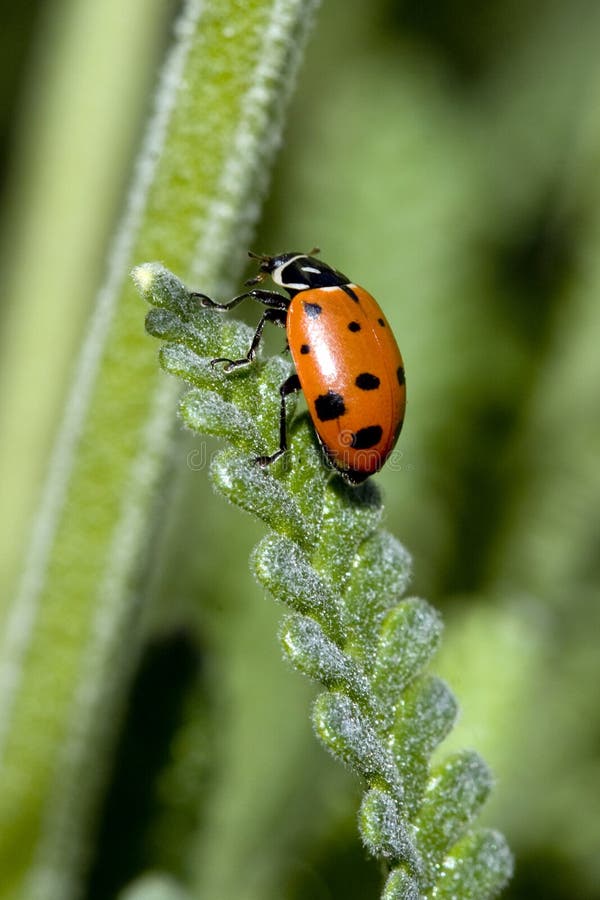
{"x":73,"y":627}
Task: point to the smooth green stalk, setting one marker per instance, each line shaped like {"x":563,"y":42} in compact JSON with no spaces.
{"x":350,"y":628}
{"x":73,"y":628}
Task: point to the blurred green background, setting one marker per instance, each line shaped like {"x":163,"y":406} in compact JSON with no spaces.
{"x":445,"y":155}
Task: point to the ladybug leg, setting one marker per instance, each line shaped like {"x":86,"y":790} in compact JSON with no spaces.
{"x":289,"y":386}
{"x":267,"y":298}
{"x":277,"y":316}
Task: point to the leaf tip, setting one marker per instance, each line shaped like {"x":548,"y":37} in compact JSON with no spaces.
{"x":144,"y":277}
{"x":160,"y":287}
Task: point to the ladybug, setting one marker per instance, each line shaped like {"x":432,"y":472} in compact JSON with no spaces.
{"x":347,"y":361}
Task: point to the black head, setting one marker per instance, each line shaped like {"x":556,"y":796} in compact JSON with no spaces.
{"x":299,"y":272}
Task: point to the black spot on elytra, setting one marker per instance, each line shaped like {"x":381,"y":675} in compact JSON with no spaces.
{"x":329,"y":406}
{"x":354,"y":326}
{"x":304,"y":349}
{"x":312,"y":310}
{"x":400,"y":374}
{"x":365,"y":438}
{"x":381,"y":322}
{"x":367,"y":381}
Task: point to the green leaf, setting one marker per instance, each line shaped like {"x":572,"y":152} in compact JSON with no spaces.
{"x":425,"y":714}
{"x":408,"y":638}
{"x":384,"y":832}
{"x":401,"y":886}
{"x":379,"y":575}
{"x":206,"y":412}
{"x":349,"y":516}
{"x":285,"y":570}
{"x":477,"y":869}
{"x":451,"y":801}
{"x":310,"y":650}
{"x":342,"y":576}
{"x":242,"y":481}
{"x":346,"y":730}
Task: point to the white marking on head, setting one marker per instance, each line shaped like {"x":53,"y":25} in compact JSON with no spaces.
{"x":276,"y":274}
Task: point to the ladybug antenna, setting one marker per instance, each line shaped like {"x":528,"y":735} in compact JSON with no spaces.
{"x":261,"y":275}
{"x":314,"y":252}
